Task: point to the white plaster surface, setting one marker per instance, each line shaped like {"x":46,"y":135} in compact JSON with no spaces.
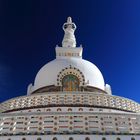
{"x":48,"y":73}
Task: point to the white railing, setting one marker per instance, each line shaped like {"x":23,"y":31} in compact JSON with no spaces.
{"x":70,"y":98}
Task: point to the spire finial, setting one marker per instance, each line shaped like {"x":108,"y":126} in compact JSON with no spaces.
{"x":69,"y":20}
{"x":69,"y":38}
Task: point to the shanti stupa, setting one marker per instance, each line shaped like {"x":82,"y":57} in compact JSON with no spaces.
{"x":69,"y":100}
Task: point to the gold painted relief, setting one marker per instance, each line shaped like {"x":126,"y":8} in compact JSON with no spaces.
{"x":70,"y":83}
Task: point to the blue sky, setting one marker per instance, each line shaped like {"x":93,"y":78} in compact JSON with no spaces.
{"x":109,"y":31}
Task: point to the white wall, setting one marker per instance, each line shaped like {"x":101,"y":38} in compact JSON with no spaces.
{"x":75,"y":137}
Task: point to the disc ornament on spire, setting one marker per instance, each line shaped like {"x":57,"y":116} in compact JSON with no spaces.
{"x":69,"y":38}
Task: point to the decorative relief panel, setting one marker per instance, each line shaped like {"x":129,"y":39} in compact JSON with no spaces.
{"x":70,"y":76}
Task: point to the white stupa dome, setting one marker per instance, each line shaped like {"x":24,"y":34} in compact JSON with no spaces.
{"x":48,"y":74}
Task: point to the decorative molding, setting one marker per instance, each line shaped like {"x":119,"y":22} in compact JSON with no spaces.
{"x":71,"y":98}
{"x":73,"y":71}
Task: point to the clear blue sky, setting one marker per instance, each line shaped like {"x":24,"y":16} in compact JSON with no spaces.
{"x":109,"y":31}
